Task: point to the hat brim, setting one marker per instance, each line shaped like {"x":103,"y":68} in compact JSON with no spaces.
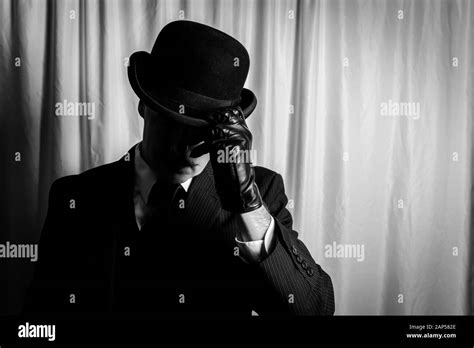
{"x":137,"y":73}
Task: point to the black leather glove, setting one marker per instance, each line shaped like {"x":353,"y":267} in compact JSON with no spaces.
{"x":230,"y":142}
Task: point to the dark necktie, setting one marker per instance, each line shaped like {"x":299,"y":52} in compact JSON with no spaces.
{"x":163,"y":193}
{"x":166,"y":201}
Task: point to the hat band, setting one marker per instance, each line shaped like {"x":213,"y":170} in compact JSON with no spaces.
{"x":192,"y":102}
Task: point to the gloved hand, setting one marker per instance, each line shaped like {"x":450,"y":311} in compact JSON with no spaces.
{"x":230,"y":142}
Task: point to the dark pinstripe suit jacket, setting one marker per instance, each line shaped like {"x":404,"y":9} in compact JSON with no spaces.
{"x":92,"y":257}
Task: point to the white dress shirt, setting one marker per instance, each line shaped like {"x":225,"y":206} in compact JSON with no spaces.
{"x":145,"y":178}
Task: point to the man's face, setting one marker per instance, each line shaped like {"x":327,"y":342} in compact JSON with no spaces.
{"x":168,"y":145}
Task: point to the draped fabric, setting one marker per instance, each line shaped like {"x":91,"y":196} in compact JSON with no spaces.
{"x":364,"y":107}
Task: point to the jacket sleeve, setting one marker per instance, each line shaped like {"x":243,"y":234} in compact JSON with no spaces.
{"x":293,"y":282}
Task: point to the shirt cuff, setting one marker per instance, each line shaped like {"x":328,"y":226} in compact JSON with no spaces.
{"x":257,"y":250}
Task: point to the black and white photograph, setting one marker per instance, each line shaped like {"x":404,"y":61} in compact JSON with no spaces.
{"x":236,"y":171}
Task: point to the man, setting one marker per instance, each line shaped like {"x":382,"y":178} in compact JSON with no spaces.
{"x":179,"y":226}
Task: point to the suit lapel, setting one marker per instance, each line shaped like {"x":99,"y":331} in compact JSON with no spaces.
{"x":122,"y":220}
{"x":124,"y":182}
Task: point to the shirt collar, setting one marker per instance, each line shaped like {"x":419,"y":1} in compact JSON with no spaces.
{"x":145,"y":177}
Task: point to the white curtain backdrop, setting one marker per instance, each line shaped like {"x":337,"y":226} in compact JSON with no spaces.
{"x":364,"y":107}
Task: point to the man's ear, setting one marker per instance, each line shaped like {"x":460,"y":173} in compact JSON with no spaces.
{"x":141,"y":108}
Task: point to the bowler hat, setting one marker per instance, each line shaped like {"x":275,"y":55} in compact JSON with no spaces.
{"x":192,"y":70}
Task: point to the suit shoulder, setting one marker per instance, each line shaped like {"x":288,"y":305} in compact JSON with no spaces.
{"x":88,"y":180}
{"x":265,"y":178}
{"x":65,"y":182}
{"x":264,"y":173}
{"x":103,"y":173}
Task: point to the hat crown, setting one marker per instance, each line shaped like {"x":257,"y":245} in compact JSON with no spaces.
{"x":193,"y":69}
{"x":200,"y":59}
